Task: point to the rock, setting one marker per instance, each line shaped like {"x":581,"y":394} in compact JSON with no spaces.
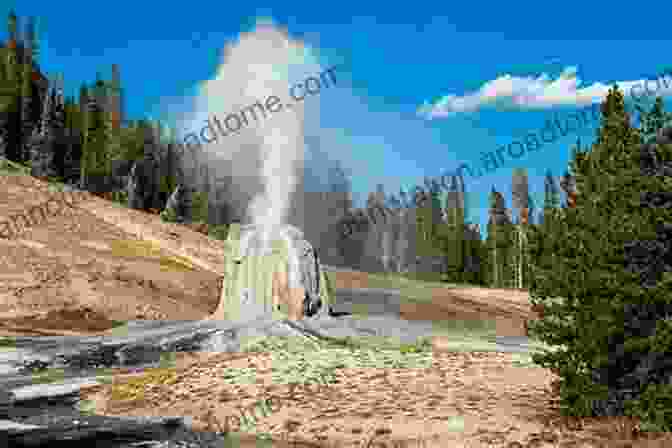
{"x":50,"y":429}
{"x":310,"y":277}
{"x":139,"y":354}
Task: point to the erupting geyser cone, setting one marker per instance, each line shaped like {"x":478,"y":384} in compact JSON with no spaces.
{"x":265,"y":158}
{"x":269,"y":255}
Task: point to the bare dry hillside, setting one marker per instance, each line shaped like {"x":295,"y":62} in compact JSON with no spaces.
{"x":94,"y":263}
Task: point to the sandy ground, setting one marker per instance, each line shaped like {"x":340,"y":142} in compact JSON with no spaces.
{"x":65,"y":275}
{"x":70,"y":262}
{"x":462,"y":400}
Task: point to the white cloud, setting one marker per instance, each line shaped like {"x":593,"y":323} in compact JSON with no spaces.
{"x":525,"y":93}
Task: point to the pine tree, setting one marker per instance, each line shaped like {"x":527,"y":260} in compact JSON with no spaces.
{"x":521,"y":202}
{"x":473,"y":261}
{"x":69,"y":133}
{"x":404,"y":198}
{"x":535,"y":231}
{"x":483,"y":254}
{"x":393,"y":202}
{"x":32,"y":39}
{"x":551,"y":212}
{"x":495,"y":273}
{"x":171,"y":176}
{"x":424,"y":225}
{"x":167,"y":165}
{"x":96,"y":165}
{"x":653,"y":120}
{"x":58,"y":124}
{"x":500,"y":243}
{"x":533,"y":209}
{"x":114,"y":148}
{"x":587,"y":288}
{"x":132,"y":141}
{"x":551,"y":192}
{"x":82,"y":122}
{"x":568,"y":185}
{"x":451,"y":235}
{"x":28,"y":106}
{"x":428,"y":229}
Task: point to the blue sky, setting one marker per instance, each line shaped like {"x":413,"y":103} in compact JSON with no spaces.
{"x":485,"y":73}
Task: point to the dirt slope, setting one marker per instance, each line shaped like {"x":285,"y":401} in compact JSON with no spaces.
{"x":81,"y":260}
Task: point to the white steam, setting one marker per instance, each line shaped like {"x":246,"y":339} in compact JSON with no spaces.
{"x":263,"y":161}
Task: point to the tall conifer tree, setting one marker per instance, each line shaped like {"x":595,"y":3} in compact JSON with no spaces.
{"x":452,"y":234}
{"x":587,"y":289}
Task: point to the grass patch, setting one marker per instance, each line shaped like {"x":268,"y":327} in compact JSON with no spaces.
{"x":306,"y":360}
{"x":86,"y":407}
{"x":219,"y":232}
{"x":133,"y":389}
{"x":464,"y":328}
{"x":296,"y":360}
{"x":9,"y":167}
{"x":106,"y":375}
{"x":48,"y":376}
{"x":119,"y":328}
{"x":392,"y":280}
{"x":176,"y":264}
{"x":118,"y":323}
{"x":106,"y":371}
{"x":410,"y":289}
{"x":523,"y":360}
{"x":147,"y":249}
{"x":135,"y":248}
{"x":7,"y":341}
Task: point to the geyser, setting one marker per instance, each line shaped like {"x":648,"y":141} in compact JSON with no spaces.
{"x":271,"y":274}
{"x":263,"y":163}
